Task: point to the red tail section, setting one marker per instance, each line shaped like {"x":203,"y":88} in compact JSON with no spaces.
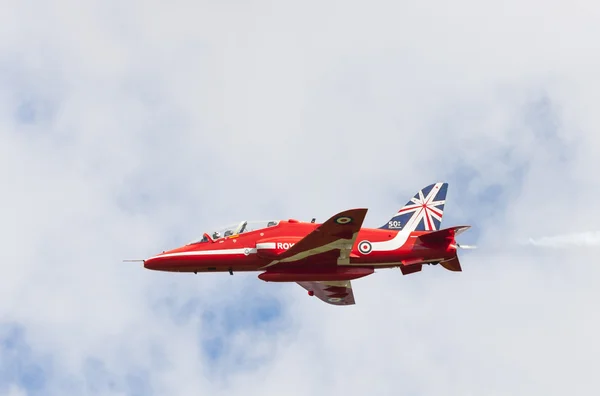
{"x":444,"y":239}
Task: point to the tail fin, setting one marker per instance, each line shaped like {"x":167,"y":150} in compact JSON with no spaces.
{"x":423,"y":212}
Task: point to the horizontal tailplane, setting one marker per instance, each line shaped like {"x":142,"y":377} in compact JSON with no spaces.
{"x":452,"y":264}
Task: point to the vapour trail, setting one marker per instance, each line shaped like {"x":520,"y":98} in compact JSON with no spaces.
{"x":582,"y":239}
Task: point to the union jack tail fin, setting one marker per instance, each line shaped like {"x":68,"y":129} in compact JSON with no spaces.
{"x":423,"y":212}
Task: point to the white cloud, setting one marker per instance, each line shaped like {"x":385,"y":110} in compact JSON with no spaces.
{"x":16,"y":391}
{"x":129,"y":128}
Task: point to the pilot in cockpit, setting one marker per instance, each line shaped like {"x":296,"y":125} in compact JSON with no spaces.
{"x":216,"y":235}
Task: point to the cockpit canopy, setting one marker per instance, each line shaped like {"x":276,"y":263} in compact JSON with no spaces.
{"x":236,"y":229}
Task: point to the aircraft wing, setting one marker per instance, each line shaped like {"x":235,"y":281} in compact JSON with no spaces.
{"x":335,"y":236}
{"x":334,"y":293}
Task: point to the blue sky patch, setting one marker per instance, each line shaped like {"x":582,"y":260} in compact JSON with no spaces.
{"x":26,"y":113}
{"x":20,"y":365}
{"x":100,"y":379}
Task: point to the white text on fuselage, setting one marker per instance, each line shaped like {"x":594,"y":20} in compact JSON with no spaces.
{"x":285,"y":245}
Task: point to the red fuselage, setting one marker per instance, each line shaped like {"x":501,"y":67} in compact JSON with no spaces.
{"x":256,"y":250}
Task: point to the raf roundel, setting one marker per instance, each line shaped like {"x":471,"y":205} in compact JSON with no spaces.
{"x":365,"y":247}
{"x":335,"y":299}
{"x":343,"y":220}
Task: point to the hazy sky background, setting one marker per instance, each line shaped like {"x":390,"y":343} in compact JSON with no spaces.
{"x":130,"y":127}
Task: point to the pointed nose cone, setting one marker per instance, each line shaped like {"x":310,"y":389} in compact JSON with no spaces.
{"x":148,"y":263}
{"x":161,"y":261}
{"x":154,"y":263}
{"x":167,"y":260}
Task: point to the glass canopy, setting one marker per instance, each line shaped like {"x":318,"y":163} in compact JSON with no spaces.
{"x":236,"y":229}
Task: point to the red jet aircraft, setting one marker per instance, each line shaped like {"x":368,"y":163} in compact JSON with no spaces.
{"x":325,"y":258}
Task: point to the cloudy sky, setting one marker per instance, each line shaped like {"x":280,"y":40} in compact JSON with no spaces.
{"x":130,"y":127}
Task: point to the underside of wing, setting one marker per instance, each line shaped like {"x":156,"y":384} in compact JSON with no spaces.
{"x":332,"y":292}
{"x":332,"y":241}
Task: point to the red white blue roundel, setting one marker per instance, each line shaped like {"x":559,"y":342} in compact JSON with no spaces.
{"x":365,"y":247}
{"x":343,"y":220}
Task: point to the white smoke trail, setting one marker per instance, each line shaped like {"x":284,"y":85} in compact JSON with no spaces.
{"x":583,"y":239}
